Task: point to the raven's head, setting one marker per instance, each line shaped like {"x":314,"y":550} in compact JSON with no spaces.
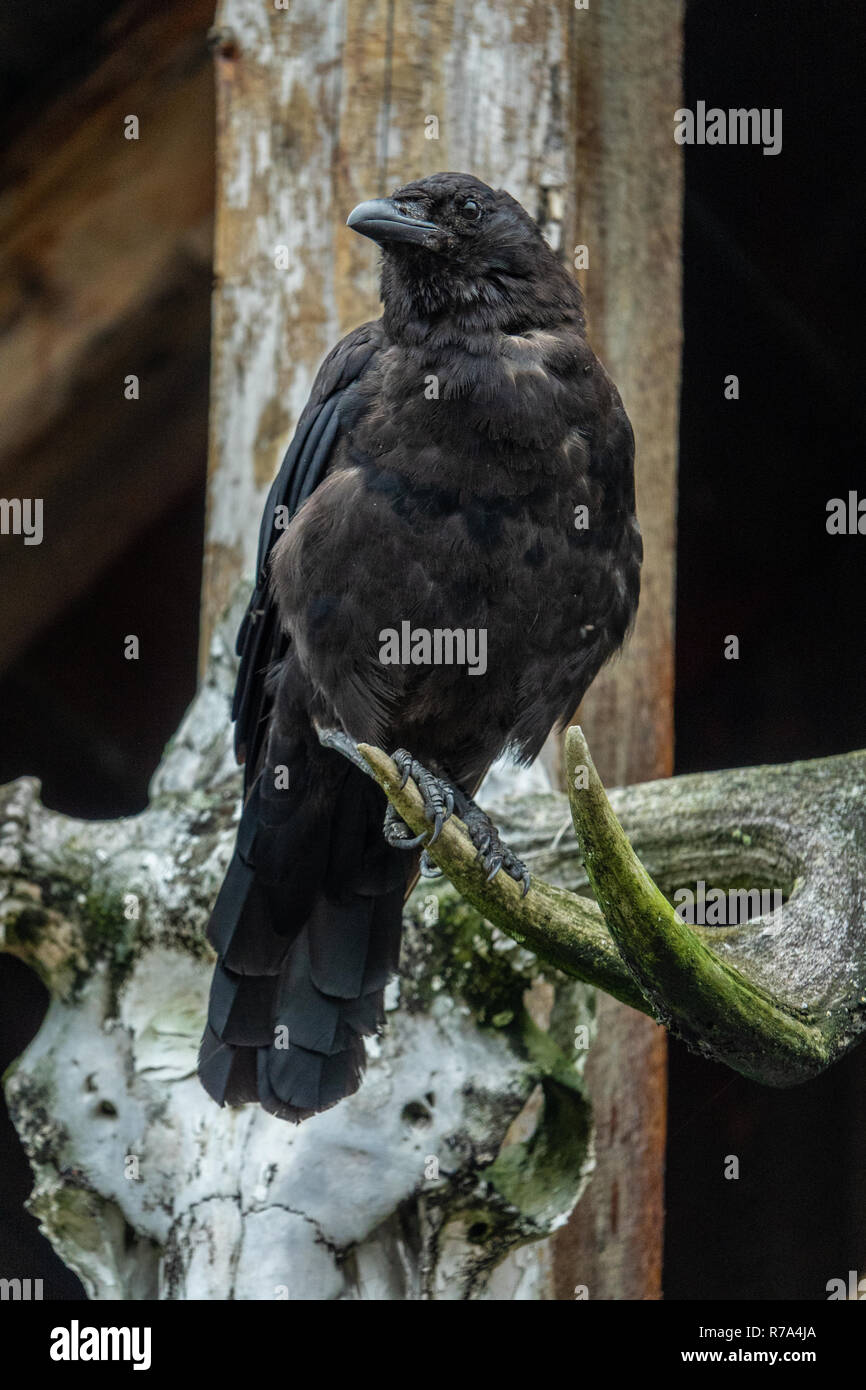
{"x":449,"y":242}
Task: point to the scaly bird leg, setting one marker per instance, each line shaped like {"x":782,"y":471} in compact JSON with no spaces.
{"x":340,"y":742}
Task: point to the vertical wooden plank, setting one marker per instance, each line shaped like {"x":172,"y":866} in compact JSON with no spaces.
{"x":629,"y":215}
{"x":278,"y":77}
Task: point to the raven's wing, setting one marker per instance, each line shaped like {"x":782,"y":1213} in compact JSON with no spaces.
{"x":260,"y":641}
{"x":308,"y":920}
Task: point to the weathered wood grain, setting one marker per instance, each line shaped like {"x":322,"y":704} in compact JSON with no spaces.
{"x":629,"y":194}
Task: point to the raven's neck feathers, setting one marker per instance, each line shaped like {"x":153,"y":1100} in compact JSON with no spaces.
{"x":419,"y":291}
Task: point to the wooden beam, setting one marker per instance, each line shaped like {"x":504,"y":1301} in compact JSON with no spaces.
{"x":629,"y":198}
{"x":105,"y":249}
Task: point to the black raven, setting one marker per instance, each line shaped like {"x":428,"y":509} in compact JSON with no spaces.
{"x":447,"y":556}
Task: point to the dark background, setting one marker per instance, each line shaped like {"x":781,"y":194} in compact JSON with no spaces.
{"x":773,"y":249}
{"x":773,"y":261}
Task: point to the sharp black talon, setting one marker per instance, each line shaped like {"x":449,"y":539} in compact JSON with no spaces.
{"x":495,"y":867}
{"x":406,"y":841}
{"x":404,"y":765}
{"x":525,"y":881}
{"x":437,"y":829}
{"x":427,"y":868}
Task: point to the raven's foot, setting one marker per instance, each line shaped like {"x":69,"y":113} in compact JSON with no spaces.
{"x":494,"y":855}
{"x":441,"y":798}
{"x":437,"y":795}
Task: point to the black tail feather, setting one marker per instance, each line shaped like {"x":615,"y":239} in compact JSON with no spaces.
{"x":227,"y":1073}
{"x":242,"y":927}
{"x":308,"y":1081}
{"x":307,"y":926}
{"x":241,"y":1007}
{"x":312,"y":1019}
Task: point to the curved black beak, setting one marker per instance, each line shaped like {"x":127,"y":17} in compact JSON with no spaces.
{"x":382,"y":220}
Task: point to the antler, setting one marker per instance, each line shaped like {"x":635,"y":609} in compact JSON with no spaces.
{"x":778,"y":998}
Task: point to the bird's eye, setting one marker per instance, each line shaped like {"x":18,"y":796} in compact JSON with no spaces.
{"x":471,"y":210}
